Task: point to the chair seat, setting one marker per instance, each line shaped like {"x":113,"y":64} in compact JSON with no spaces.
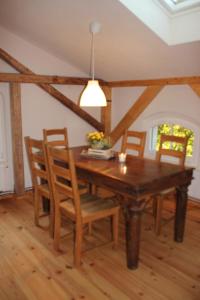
{"x":91,"y":206}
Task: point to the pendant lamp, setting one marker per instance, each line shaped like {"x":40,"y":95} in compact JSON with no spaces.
{"x":93,"y":95}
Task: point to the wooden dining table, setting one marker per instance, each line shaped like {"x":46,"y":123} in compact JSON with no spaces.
{"x":136,"y":180}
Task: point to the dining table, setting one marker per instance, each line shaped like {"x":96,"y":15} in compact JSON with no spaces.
{"x":135,"y":181}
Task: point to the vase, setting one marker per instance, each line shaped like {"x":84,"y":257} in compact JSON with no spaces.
{"x":98,"y":145}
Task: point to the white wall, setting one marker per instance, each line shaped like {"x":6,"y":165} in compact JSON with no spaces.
{"x":40,"y":110}
{"x":175,"y":102}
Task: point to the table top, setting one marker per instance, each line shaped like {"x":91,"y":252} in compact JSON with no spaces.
{"x":134,"y":177}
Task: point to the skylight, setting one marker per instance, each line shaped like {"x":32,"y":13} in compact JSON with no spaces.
{"x":174,"y":21}
{"x":179,"y":5}
{"x":178,"y":1}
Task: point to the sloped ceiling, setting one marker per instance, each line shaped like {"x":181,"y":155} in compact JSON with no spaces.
{"x":125,"y":47}
{"x":174,"y":22}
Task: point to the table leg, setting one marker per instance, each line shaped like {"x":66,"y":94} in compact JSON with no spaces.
{"x":180,"y":216}
{"x":133,"y":226}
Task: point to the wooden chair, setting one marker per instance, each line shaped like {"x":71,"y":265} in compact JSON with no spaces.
{"x":59,"y":138}
{"x":56,"y":137}
{"x":81,"y":209}
{"x":179,"y":155}
{"x":134,"y":141}
{"x":39,"y":174}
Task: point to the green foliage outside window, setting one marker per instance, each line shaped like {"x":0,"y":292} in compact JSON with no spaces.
{"x":176,"y":130}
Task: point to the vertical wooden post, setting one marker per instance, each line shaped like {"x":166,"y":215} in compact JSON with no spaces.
{"x":106,"y":111}
{"x":17,"y":146}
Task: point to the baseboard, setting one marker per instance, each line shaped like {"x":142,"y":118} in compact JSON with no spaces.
{"x":7,"y":196}
{"x":12,"y":195}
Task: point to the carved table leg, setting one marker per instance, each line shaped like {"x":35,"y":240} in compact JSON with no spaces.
{"x":181,"y":207}
{"x":133,"y":225}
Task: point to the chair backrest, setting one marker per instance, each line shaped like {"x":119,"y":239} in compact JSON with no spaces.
{"x":134,"y":140}
{"x":37,"y":161}
{"x":56,"y":137}
{"x":62,"y":170}
{"x":179,"y":152}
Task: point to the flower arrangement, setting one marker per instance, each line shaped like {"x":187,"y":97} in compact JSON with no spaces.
{"x":97,"y":140}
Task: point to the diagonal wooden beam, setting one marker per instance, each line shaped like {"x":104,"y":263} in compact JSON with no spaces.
{"x":195,"y":88}
{"x":52,"y":91}
{"x":138,"y":107}
{"x":50,"y":79}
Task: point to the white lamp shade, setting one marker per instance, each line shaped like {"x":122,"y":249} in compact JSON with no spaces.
{"x":93,"y":95}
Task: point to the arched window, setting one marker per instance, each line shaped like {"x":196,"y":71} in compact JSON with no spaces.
{"x":176,"y":130}
{"x":176,"y":124}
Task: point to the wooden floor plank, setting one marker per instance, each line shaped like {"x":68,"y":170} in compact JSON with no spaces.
{"x":31,"y":269}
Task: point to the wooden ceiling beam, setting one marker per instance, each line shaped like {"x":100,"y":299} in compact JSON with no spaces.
{"x":138,"y":107}
{"x":151,"y":82}
{"x":68,"y":80}
{"x":53,"y":92}
{"x":33,"y":78}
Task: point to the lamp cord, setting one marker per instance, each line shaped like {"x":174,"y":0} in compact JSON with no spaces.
{"x":92,"y":56}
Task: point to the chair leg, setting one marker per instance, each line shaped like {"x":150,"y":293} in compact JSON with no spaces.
{"x":158,"y":218}
{"x":115,"y":228}
{"x":90,"y":228}
{"x":51,"y":219}
{"x":57,"y":226}
{"x":154,"y":207}
{"x":36,"y":206}
{"x":78,"y":245}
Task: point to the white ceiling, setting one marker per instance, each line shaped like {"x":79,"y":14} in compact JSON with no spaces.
{"x":125,"y":48}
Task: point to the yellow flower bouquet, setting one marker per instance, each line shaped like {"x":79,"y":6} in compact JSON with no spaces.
{"x":97,"y":140}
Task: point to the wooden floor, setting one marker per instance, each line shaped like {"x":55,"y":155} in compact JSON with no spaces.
{"x":30,"y":269}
